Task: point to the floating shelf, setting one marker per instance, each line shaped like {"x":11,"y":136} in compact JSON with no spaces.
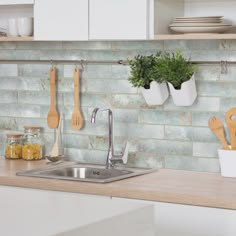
{"x":10,"y":39}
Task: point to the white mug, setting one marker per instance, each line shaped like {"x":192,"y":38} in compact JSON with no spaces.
{"x":12,"y":28}
{"x":25,"y":26}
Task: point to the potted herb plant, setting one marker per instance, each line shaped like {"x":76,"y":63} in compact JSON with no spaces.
{"x":179,"y":73}
{"x":145,"y":75}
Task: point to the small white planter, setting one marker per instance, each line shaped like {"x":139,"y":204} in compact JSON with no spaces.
{"x":157,"y":94}
{"x":186,"y":95}
{"x":227,"y":160}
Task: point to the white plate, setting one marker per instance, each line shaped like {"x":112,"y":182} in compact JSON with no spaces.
{"x":197,"y":24}
{"x":198,"y":17}
{"x":198,"y":21}
{"x":200,"y":29}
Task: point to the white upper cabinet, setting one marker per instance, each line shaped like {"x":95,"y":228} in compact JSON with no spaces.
{"x":15,"y":2}
{"x":118,"y":19}
{"x":61,"y":20}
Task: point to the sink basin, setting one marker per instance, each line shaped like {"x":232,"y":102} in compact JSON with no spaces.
{"x":83,"y":172}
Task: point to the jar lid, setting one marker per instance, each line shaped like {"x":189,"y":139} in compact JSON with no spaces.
{"x":32,"y":127}
{"x":14,"y":135}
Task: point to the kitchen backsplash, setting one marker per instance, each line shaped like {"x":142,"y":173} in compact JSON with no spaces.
{"x":161,"y":136}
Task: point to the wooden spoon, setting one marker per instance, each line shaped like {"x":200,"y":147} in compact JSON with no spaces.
{"x":53,"y":117}
{"x":217,"y":128}
{"x":76,"y":119}
{"x":230,"y":118}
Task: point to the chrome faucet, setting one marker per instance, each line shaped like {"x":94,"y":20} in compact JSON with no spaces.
{"x":111,"y":157}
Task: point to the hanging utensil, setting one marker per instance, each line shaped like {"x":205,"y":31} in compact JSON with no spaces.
{"x":217,"y":127}
{"x":55,"y":149}
{"x":230,"y":118}
{"x":76,"y":119}
{"x":53,"y":117}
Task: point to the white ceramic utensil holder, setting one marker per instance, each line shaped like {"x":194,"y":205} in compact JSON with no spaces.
{"x":227,"y":160}
{"x":157,"y":94}
{"x":186,"y":95}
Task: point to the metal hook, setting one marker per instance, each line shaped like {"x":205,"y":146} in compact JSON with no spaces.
{"x":224,"y":67}
{"x":81,"y":62}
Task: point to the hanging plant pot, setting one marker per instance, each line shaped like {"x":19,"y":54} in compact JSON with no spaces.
{"x":156,"y":94}
{"x":186,"y":95}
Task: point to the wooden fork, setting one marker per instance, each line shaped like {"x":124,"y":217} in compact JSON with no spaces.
{"x":76,"y":119}
{"x":216,"y":126}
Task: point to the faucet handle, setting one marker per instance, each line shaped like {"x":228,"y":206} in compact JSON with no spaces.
{"x":126,"y":153}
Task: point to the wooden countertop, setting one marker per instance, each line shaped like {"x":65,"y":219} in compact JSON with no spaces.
{"x":164,"y":185}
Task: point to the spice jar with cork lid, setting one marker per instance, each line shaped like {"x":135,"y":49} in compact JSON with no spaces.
{"x":32,"y":144}
{"x":13,"y":148}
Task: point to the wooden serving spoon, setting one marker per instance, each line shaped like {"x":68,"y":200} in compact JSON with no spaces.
{"x":76,"y":119}
{"x":230,"y":118}
{"x":53,"y":117}
{"x":216,"y":126}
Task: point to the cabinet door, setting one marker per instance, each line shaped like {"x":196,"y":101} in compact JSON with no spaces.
{"x":61,"y":20}
{"x":118,"y":19}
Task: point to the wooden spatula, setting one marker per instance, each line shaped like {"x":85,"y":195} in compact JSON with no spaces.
{"x":53,"y":117}
{"x":217,"y":128}
{"x":76,"y":119}
{"x":230,"y":118}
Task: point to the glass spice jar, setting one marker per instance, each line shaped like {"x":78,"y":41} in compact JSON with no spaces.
{"x":13,"y":148}
{"x":32,"y":145}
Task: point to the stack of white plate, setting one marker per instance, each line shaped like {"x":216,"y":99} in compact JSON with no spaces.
{"x":199,"y":24}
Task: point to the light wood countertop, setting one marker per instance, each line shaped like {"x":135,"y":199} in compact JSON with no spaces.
{"x":164,"y":185}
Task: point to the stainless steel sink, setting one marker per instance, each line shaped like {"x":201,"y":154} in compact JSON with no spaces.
{"x":84,"y":172}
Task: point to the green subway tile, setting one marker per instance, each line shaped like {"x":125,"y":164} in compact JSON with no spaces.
{"x":8,"y":96}
{"x":205,"y":149}
{"x":38,"y":45}
{"x":20,"y":110}
{"x":192,"y":163}
{"x":37,"y":97}
{"x":165,"y":117}
{"x":134,"y":130}
{"x":8,"y":70}
{"x":192,"y":44}
{"x":145,"y":160}
{"x":178,"y":133}
{"x":94,"y":45}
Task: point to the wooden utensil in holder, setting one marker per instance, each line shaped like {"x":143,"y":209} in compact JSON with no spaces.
{"x":217,"y":128}
{"x":230,"y":118}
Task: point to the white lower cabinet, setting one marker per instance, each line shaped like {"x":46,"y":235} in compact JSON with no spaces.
{"x":61,"y":20}
{"x":187,"y":220}
{"x":35,"y":212}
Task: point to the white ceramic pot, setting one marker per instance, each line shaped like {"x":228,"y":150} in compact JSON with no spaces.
{"x":186,"y":95}
{"x":25,"y":26}
{"x":157,"y":94}
{"x":227,"y":160}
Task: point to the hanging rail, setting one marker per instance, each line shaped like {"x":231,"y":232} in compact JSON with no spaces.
{"x":223,"y":64}
{"x":119,"y":62}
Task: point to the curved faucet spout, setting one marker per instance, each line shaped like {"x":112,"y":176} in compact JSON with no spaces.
{"x":110,"y":153}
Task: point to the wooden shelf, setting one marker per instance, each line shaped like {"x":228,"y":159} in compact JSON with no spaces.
{"x":10,"y":39}
{"x":193,"y":36}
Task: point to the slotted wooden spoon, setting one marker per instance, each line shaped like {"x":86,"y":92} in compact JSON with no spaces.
{"x":216,"y":126}
{"x":230,"y":118}
{"x":53,"y":117}
{"x":76,"y":119}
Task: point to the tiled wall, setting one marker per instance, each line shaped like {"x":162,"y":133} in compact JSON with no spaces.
{"x":161,"y":136}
